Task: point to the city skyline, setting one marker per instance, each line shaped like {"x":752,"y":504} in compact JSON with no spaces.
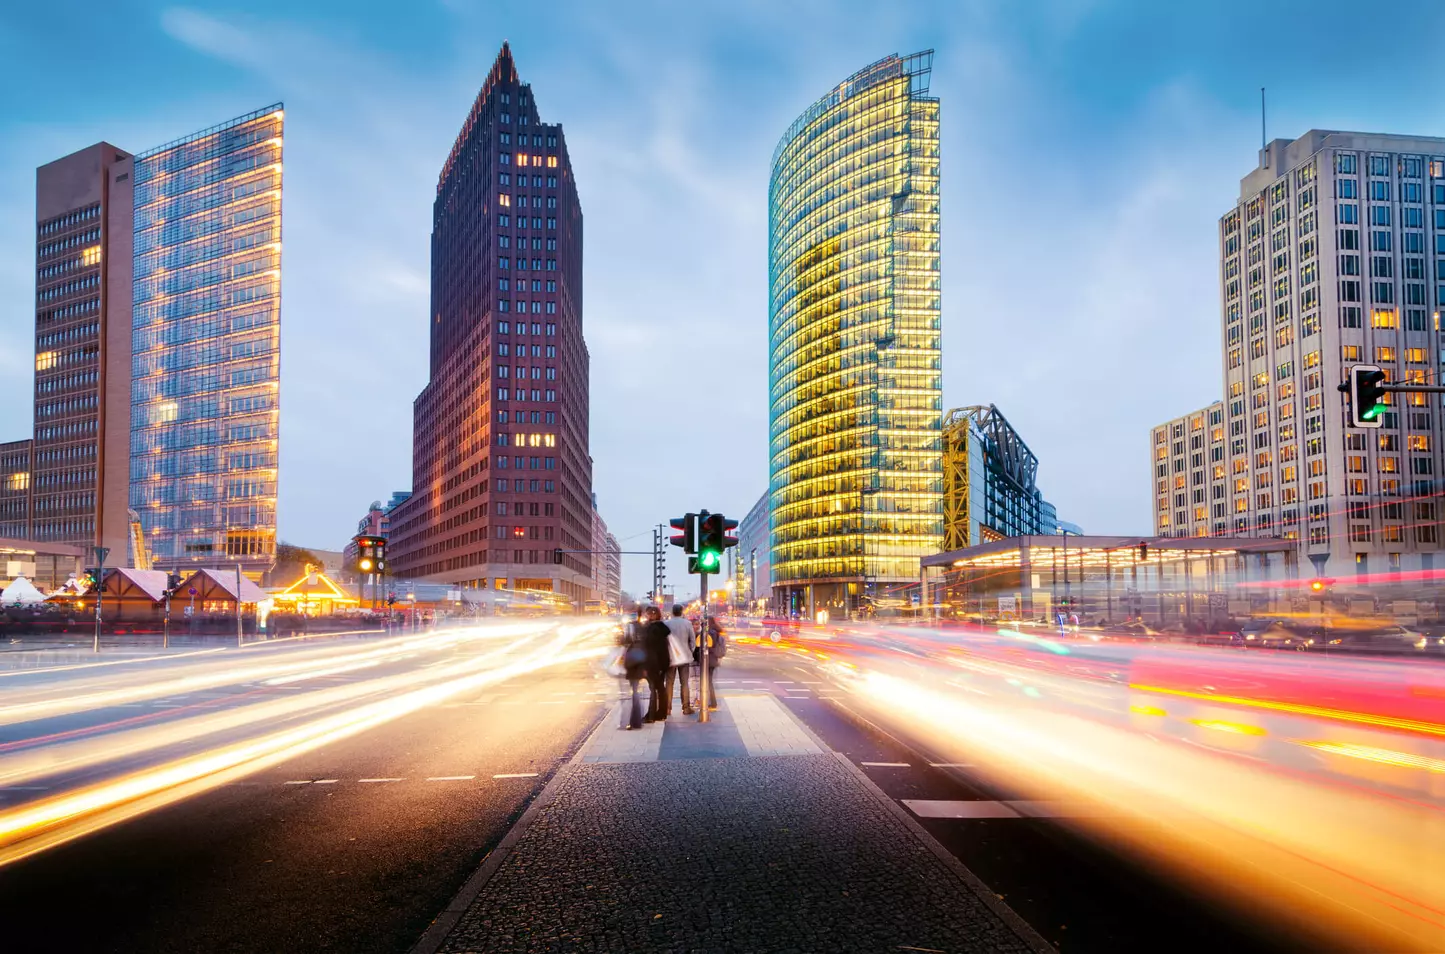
{"x":1128,"y":242}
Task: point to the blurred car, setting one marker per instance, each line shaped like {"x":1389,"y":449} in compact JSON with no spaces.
{"x":1277,"y":634}
{"x":1129,"y":629}
{"x":1391,"y":638}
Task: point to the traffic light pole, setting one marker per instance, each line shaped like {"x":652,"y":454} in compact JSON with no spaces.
{"x":704,"y":680}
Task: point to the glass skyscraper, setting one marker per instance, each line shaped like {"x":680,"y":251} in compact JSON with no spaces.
{"x":854,"y":315}
{"x":205,"y":335}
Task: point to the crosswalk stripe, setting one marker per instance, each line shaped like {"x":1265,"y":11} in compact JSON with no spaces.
{"x":943,"y":808}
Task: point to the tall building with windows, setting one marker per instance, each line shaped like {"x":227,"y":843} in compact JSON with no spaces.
{"x":854,"y":321}
{"x":205,"y":369}
{"x":15,"y":489}
{"x":76,"y":467}
{"x":1334,"y":255}
{"x":1191,"y":486}
{"x":502,"y":476}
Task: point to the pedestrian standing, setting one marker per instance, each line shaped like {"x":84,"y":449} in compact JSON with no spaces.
{"x":684,"y":639}
{"x":634,"y":661}
{"x":717,"y":648}
{"x":654,"y":640}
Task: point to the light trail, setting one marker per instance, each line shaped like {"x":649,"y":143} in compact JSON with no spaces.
{"x":54,"y":699}
{"x":320,"y":717}
{"x":1327,"y":811}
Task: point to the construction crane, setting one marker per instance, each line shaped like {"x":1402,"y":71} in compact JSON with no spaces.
{"x":138,"y":542}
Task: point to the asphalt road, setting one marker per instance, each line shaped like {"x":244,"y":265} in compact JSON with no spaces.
{"x":1080,"y":895}
{"x":304,"y":855}
{"x":356,"y":844}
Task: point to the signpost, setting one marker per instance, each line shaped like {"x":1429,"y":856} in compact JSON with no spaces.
{"x":100,"y":554}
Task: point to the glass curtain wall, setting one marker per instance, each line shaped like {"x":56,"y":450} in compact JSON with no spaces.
{"x":205,"y":371}
{"x":856,"y":455}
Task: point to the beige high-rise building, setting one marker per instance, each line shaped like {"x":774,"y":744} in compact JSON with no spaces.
{"x":1191,"y":488}
{"x":1334,"y":255}
{"x":79,"y":458}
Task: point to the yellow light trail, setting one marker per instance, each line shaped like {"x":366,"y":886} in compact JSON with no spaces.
{"x":61,"y":699}
{"x":34,"y":827}
{"x":1318,"y":712}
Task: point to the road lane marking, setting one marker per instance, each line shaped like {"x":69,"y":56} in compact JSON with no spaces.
{"x":782,"y":682}
{"x":380,"y":780}
{"x":451,"y":778}
{"x":951,"y":764}
{"x":1023,"y":808}
{"x":24,"y":788}
{"x":516,"y":775}
{"x":886,"y":764}
{"x":304,"y":781}
{"x":326,"y":781}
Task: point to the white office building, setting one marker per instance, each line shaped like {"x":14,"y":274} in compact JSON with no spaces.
{"x":1334,"y":255}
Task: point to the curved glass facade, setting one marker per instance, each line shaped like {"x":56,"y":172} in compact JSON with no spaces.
{"x":854,"y":315}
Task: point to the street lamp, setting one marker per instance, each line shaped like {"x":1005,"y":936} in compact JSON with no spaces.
{"x":100,"y":554}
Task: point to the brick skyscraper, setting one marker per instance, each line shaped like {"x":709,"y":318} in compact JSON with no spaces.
{"x":501,"y":473}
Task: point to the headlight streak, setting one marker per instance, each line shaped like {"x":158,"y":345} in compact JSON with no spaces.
{"x":35,"y":826}
{"x":1318,"y":712}
{"x":1356,"y":853}
{"x":112,"y":746}
{"x":61,"y":698}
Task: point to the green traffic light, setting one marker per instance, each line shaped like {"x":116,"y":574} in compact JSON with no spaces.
{"x":708,"y":560}
{"x":1372,"y":413}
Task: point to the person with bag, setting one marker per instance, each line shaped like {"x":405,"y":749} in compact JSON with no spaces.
{"x":679,"y":644}
{"x":634,"y":663}
{"x":717,"y":648}
{"x":654,"y":640}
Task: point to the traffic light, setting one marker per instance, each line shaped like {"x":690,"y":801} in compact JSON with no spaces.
{"x":1319,"y":586}
{"x":88,"y":578}
{"x":173,"y":582}
{"x":370,"y":554}
{"x":1366,"y":387}
{"x":1143,"y":550}
{"x":557,"y":556}
{"x":686,"y":535}
{"x":712,"y":539}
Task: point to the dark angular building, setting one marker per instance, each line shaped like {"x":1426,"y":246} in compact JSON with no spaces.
{"x":501,"y":473}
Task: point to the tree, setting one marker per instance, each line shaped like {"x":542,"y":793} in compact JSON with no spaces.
{"x":291,"y":563}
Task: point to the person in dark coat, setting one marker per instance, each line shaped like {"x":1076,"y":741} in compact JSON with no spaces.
{"x":634,"y":660}
{"x":654,"y":639}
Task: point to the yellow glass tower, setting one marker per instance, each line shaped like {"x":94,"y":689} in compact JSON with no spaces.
{"x":854,"y":316}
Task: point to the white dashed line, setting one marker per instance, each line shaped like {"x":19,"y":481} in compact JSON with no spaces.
{"x":451,"y":778}
{"x":886,"y":764}
{"x":782,"y":682}
{"x":951,"y":764}
{"x":326,"y":781}
{"x":517,"y":775}
{"x":304,"y":781}
{"x":379,"y":780}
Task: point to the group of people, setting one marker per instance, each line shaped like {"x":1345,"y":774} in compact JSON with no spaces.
{"x":663,"y":652}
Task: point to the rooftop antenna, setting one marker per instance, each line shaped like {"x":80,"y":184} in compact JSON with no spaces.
{"x":1263,"y":141}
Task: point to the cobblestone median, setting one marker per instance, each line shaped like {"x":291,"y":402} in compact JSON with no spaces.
{"x":767,"y":854}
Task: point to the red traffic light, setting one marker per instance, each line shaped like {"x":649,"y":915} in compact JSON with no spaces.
{"x":686,"y":535}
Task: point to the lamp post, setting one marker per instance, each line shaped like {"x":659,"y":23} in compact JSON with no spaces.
{"x":100,"y":554}
{"x":239,"y":639}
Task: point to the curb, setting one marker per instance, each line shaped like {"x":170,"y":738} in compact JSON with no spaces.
{"x":997,"y":905}
{"x":436,"y":934}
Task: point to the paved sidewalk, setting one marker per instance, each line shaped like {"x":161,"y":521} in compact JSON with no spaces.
{"x":645,"y":842}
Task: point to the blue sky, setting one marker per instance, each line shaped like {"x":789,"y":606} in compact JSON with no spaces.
{"x":1088,"y":149}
